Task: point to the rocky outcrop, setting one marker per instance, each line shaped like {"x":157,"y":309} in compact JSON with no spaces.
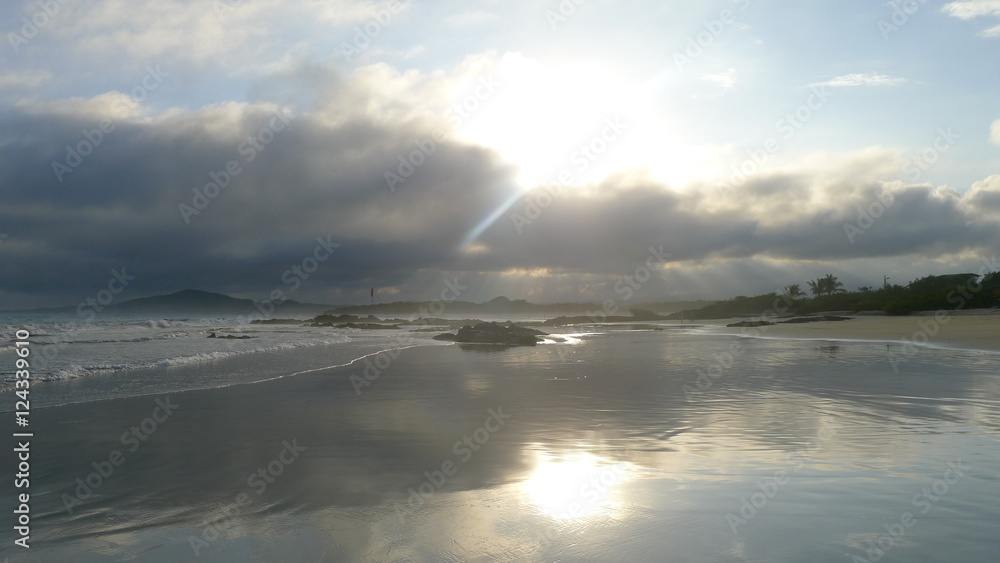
{"x":230,"y":337}
{"x":494,"y":333}
{"x":796,"y":320}
{"x":749,"y":324}
{"x":799,"y":320}
{"x":277,"y":322}
{"x":367,"y":326}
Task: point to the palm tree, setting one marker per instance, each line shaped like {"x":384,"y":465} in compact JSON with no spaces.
{"x":793,"y":291}
{"x":832,"y":285}
{"x":816,"y":287}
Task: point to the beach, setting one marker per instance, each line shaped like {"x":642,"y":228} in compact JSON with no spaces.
{"x":971,"y":330}
{"x":385,"y":281}
{"x":620,"y":444}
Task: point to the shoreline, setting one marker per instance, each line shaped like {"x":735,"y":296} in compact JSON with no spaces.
{"x":976,"y":332}
{"x":197,"y":376}
{"x":965,"y":330}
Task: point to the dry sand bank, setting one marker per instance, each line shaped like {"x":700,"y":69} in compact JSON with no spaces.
{"x":979,"y":330}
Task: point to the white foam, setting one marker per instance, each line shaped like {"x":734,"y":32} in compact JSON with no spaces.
{"x":74,"y":371}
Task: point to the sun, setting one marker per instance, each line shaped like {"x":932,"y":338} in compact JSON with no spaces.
{"x":578,"y":123}
{"x":573,"y":128}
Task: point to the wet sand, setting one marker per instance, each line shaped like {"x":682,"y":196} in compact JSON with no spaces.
{"x":615,"y":449}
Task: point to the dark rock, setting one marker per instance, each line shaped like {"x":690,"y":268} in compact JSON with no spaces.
{"x":367,"y":326}
{"x":231,"y":337}
{"x":749,"y":324}
{"x":494,"y":333}
{"x":799,"y":320}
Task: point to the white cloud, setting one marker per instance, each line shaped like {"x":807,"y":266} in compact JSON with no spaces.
{"x":112,"y":105}
{"x":347,"y":12}
{"x":337,"y":155}
{"x":971,"y":9}
{"x":23,"y":79}
{"x":240,"y":38}
{"x":861,"y":79}
{"x":995,"y":132}
{"x":983,"y":200}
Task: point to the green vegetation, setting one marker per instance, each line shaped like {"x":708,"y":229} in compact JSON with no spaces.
{"x":931,"y":293}
{"x":827,"y":285}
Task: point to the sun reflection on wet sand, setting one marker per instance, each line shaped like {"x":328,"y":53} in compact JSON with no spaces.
{"x":577,"y":485}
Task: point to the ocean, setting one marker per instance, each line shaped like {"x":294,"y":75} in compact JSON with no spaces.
{"x":651,"y":442}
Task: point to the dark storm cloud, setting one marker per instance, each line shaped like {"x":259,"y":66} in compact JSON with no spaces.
{"x":323,"y":175}
{"x":121,"y":205}
{"x":782,"y":216}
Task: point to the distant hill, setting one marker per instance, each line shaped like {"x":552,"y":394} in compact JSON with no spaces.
{"x":189,"y":301}
{"x":206,"y":302}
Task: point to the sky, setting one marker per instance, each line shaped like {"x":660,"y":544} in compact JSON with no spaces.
{"x":582,"y":150}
